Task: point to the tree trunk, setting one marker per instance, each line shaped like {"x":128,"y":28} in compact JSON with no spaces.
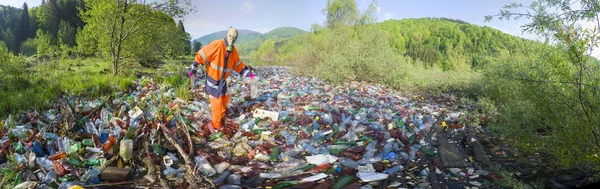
{"x":116,"y":59}
{"x":115,"y":65}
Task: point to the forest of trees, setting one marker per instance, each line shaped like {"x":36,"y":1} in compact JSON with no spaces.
{"x":66,"y":28}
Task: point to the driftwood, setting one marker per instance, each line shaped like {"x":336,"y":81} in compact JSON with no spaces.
{"x":67,"y":113}
{"x":190,"y":175}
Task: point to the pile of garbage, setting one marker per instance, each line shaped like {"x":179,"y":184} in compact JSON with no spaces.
{"x":298,"y":132}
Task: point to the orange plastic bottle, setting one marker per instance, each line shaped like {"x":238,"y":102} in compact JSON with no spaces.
{"x":57,"y":156}
{"x":109,"y":143}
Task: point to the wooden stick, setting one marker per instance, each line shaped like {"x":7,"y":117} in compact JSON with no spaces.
{"x":112,"y":184}
{"x":187,"y":133}
{"x":109,"y":161}
{"x":189,"y":176}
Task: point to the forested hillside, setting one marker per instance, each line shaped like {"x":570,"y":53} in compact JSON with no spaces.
{"x":249,"y":41}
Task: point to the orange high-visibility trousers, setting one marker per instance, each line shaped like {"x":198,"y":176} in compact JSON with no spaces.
{"x":219,"y":109}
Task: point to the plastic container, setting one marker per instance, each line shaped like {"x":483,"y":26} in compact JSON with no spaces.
{"x":254,"y":87}
{"x":126,"y":149}
{"x":204,"y":166}
{"x":112,"y":140}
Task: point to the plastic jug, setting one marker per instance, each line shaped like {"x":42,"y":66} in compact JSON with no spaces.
{"x":126,"y":149}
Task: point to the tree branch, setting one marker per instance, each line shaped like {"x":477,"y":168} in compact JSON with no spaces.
{"x":190,"y":176}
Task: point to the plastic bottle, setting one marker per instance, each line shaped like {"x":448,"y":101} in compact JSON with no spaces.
{"x":20,"y":159}
{"x":37,"y":149}
{"x":88,"y":142}
{"x":74,"y":148}
{"x":44,"y":163}
{"x":91,"y":175}
{"x":286,"y":184}
{"x":348,"y":162}
{"x":221,"y":166}
{"x":275,"y":154}
{"x":394,"y":170}
{"x":234,"y":179}
{"x":74,"y":162}
{"x":51,"y":176}
{"x":59,"y":169}
{"x":310,"y":148}
{"x":320,"y":168}
{"x":204,"y":166}
{"x":126,"y":149}
{"x":18,"y":147}
{"x":229,"y":186}
{"x":112,"y":140}
{"x":216,"y":136}
{"x":50,"y":146}
{"x":221,"y":177}
{"x":270,"y":175}
{"x":368,"y":177}
{"x":93,"y":162}
{"x":57,"y":156}
{"x":345,"y":180}
{"x":254,"y":88}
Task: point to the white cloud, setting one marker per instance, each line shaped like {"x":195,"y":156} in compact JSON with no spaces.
{"x":388,"y":16}
{"x":248,"y":6}
{"x":377,"y":9}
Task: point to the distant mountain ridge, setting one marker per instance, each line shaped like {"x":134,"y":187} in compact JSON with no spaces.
{"x":249,"y":40}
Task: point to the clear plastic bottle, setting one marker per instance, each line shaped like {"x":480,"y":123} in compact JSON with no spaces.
{"x":45,"y":163}
{"x":222,"y":177}
{"x":204,"y":166}
{"x":394,"y":170}
{"x":234,"y":179}
{"x":254,"y":87}
{"x":348,"y":162}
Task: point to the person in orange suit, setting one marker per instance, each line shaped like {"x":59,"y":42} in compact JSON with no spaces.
{"x":220,"y":58}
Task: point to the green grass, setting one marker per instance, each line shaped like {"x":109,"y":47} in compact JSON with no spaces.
{"x":433,"y":81}
{"x":47,"y":80}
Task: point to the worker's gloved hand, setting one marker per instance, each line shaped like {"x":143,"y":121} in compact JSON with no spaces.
{"x":190,"y":73}
{"x":251,"y":76}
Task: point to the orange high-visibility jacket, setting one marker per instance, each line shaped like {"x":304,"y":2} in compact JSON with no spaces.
{"x":212,"y":56}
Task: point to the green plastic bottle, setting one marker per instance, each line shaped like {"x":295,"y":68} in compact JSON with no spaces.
{"x":18,"y":147}
{"x":75,"y":148}
{"x":258,"y":131}
{"x":156,"y":149}
{"x":286,"y":184}
{"x":336,"y":151}
{"x":216,"y":136}
{"x":286,"y":119}
{"x":129,"y":133}
{"x":343,"y":142}
{"x":275,"y":154}
{"x":88,"y":142}
{"x":309,"y":166}
{"x":345,"y":180}
{"x":18,"y":179}
{"x":93,"y":161}
{"x":427,"y":151}
{"x":74,"y":162}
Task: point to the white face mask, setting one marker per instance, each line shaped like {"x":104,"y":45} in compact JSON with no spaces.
{"x":231,"y":36}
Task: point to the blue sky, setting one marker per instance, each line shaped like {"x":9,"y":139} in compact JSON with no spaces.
{"x":265,"y":15}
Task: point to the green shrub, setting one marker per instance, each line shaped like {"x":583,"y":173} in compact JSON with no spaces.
{"x":29,"y":47}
